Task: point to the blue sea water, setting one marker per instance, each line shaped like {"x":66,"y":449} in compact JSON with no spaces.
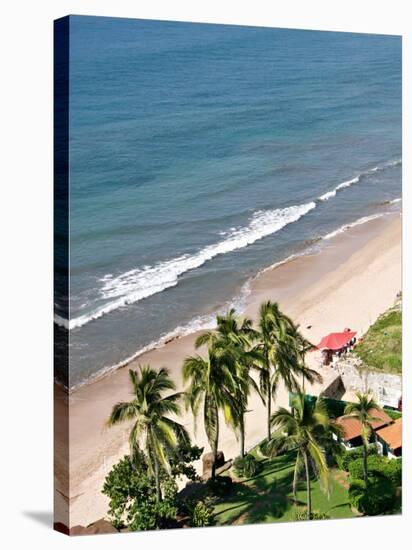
{"x":200,"y":154}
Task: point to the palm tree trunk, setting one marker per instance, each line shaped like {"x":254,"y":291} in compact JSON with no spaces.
{"x":269,"y":411}
{"x":308,"y":490}
{"x":242,"y":435}
{"x":365,"y":463}
{"x":215,"y":446}
{"x":157,"y":480}
{"x":295,"y":480}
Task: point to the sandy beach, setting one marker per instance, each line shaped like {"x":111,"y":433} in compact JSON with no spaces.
{"x":348,"y":283}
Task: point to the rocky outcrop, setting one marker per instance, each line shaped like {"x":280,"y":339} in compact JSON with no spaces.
{"x":387,"y":388}
{"x":99,"y":527}
{"x":207,"y":460}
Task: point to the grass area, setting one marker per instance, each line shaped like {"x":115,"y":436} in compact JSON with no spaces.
{"x":381,"y":348}
{"x":268,"y":498}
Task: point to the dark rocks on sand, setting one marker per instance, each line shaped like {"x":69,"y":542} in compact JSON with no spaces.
{"x":207,"y":460}
{"x":99,"y":527}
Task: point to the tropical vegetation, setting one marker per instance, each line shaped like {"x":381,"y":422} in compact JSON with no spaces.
{"x":298,"y":472}
{"x":153,"y":431}
{"x":381,"y":347}
{"x":282,"y":350}
{"x":305,"y":428}
{"x":363,"y":410}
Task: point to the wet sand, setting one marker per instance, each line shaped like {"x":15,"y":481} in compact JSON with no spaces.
{"x":348,"y":283}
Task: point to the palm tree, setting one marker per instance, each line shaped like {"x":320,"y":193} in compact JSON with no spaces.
{"x":281,"y":355}
{"x":153,"y":431}
{"x":363,"y":410}
{"x":303,"y":346}
{"x":236,"y":337}
{"x":213,"y":383}
{"x":304,"y":429}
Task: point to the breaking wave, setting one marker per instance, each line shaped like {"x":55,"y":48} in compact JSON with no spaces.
{"x":135,"y":285}
{"x":330,"y":194}
{"x":347,"y":226}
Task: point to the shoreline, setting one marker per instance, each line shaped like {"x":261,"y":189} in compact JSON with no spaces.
{"x":357,"y":273}
{"x":243,"y":295}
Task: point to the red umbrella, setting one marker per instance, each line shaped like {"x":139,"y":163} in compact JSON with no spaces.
{"x":336,"y":340}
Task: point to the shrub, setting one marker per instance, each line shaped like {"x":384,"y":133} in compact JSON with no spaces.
{"x":182,"y":459}
{"x":356,"y":469}
{"x":391,"y":469}
{"x":301,"y":514}
{"x":238,"y":466}
{"x":378,"y":498}
{"x":202,"y":515}
{"x":347,"y":457}
{"x":132,"y":496}
{"x":381,"y":347}
{"x":263,"y":447}
{"x":247,"y":466}
{"x":394,"y":471}
{"x":220,"y":486}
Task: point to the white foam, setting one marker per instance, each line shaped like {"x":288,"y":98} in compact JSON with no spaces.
{"x":137,"y":284}
{"x":348,"y":183}
{"x":347,"y":226}
{"x":202,"y":322}
{"x":387,"y":164}
{"x":330,"y":194}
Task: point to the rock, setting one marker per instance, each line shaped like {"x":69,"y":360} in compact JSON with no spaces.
{"x":207,"y":460}
{"x":78,"y":530}
{"x":99,"y":527}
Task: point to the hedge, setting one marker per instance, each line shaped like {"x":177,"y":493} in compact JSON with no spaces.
{"x":247,"y":466}
{"x":391,"y":469}
{"x":377,"y":498}
{"x":345,"y":459}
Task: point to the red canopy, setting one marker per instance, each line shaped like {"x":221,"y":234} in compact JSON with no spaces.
{"x":336,"y":340}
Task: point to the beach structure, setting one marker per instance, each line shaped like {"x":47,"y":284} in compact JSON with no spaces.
{"x":352,"y":428}
{"x":389,"y":439}
{"x":335,"y":343}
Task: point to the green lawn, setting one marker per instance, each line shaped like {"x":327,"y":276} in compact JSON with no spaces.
{"x":381,"y":348}
{"x":267,"y":497}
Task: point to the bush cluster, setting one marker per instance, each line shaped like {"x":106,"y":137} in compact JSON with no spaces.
{"x":379,"y":465}
{"x":247,"y":466}
{"x":220,"y":486}
{"x":377,"y":498}
{"x":263,"y":447}
{"x":347,"y":457}
{"x":201,"y":515}
{"x":132,"y":496}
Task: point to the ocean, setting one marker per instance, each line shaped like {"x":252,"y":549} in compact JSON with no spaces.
{"x":202,"y":154}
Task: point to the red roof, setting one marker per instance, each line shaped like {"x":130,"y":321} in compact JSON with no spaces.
{"x":392,"y":435}
{"x":336,"y":340}
{"x":353,"y":428}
